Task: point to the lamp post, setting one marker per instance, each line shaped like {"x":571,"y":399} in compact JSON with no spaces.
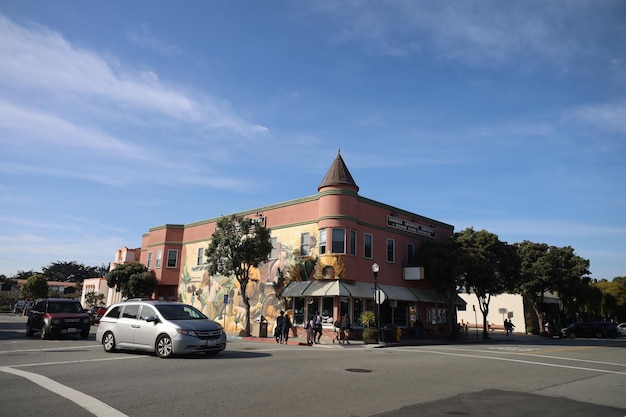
{"x":375,"y":269}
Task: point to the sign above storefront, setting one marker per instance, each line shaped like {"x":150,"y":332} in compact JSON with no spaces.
{"x":411,"y":227}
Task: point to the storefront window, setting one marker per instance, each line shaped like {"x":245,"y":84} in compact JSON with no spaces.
{"x":400,"y":314}
{"x":357,"y":309}
{"x":436,"y":315}
{"x":298,"y":311}
{"x":327,"y":310}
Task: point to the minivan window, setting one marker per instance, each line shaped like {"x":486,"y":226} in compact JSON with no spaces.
{"x":130,"y":311}
{"x":114,"y":313}
{"x":147,"y":311}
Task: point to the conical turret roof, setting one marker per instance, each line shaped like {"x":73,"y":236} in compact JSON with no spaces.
{"x":338,"y":175}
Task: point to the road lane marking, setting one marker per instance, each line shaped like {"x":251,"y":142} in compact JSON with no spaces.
{"x":51,"y":349}
{"x":579,"y":368}
{"x":89,"y":403}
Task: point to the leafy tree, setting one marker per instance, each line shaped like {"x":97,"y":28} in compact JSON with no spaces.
{"x":133,"y":280}
{"x":569,"y":273}
{"x":442,"y":261}
{"x":69,"y":271}
{"x":36,"y":286}
{"x":491,"y":267}
{"x":237,"y":245}
{"x":94,"y":299}
{"x":24,"y":274}
{"x":614,"y":298}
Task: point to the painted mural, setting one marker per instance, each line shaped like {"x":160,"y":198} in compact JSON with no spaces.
{"x":209,"y":293}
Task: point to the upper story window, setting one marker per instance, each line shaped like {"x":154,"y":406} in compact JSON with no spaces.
{"x":339,"y":241}
{"x":274,"y":252}
{"x":322,"y":241}
{"x":159,"y":258}
{"x":200,"y":257}
{"x":305,"y":244}
{"x":172,"y":258}
{"x":410,"y":253}
{"x":149,"y":260}
{"x":353,"y":242}
{"x":391,"y":250}
{"x":368,"y":244}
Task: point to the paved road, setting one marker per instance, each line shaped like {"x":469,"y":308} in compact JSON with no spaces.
{"x":520,"y":376}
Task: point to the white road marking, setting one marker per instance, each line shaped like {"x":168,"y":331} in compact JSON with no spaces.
{"x":89,"y":403}
{"x":522,"y":361}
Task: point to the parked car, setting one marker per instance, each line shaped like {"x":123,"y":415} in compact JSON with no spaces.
{"x":95,"y":313}
{"x":622,"y":328}
{"x":590,"y":329}
{"x":166,"y":328}
{"x":57,"y":317}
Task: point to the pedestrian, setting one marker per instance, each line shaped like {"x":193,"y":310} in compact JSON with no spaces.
{"x":278,"y":330}
{"x":310,"y":331}
{"x":337,"y":329}
{"x":286,"y":326}
{"x":317,"y":327}
{"x":345,"y":329}
{"x":511,"y":326}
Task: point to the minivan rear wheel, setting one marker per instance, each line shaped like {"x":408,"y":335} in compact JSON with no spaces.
{"x":108,"y":341}
{"x":164,"y":346}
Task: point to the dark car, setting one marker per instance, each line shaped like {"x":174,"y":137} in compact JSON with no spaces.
{"x":590,"y":329}
{"x":57,"y":317}
{"x":95,"y":313}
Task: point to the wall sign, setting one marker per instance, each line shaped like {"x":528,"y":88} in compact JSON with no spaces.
{"x":411,"y":227}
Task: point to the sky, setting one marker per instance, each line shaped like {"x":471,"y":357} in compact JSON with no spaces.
{"x":117,"y":116}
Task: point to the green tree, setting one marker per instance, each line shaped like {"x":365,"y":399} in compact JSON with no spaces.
{"x":133,"y":280}
{"x":24,"y":274}
{"x":69,"y":271}
{"x":237,"y":245}
{"x":442,"y":261}
{"x":570,"y":273}
{"x":36,"y":286}
{"x":94,"y":299}
{"x":490,"y":267}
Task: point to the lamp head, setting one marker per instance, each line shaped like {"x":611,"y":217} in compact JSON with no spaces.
{"x":375,"y":268}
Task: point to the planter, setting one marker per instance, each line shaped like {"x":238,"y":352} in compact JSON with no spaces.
{"x":370,"y":336}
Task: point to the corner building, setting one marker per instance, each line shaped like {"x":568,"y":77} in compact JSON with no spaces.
{"x":324,"y":247}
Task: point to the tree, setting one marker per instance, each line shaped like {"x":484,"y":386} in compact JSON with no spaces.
{"x":36,"y":286}
{"x":237,"y":245}
{"x":94,"y":299}
{"x":69,"y":271}
{"x":442,"y":261}
{"x":24,"y":274}
{"x":490,"y":267}
{"x":133,"y":280}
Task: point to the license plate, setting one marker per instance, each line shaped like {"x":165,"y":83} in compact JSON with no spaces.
{"x":211,"y":342}
{"x":72,"y":330}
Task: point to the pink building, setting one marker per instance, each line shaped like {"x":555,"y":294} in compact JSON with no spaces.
{"x":324,"y":246}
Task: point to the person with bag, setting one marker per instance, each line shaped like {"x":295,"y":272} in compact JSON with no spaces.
{"x":345,"y":329}
{"x":286,"y":326}
{"x":317,"y":328}
{"x":278,"y":330}
{"x":336,"y":329}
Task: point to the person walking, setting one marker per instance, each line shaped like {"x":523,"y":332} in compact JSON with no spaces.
{"x":337,"y":329}
{"x":286,"y":326}
{"x":345,"y":329}
{"x":278,"y":330}
{"x":317,"y":327}
{"x":310,"y":331}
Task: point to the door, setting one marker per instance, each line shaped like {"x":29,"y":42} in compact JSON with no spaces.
{"x":145,"y":332}
{"x":126,"y":325}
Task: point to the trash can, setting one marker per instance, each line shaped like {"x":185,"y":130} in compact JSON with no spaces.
{"x":388,"y":333}
{"x":259,"y":328}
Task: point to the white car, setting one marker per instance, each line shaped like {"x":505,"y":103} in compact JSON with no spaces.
{"x":622,"y":328}
{"x":166,"y":328}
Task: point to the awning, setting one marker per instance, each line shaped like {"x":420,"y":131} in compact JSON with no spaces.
{"x":432,"y":296}
{"x":295,"y":289}
{"x":398,"y":293}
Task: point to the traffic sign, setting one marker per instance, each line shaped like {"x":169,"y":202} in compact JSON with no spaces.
{"x":380,"y":296}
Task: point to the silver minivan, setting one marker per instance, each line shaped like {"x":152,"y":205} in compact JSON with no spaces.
{"x":166,"y":328}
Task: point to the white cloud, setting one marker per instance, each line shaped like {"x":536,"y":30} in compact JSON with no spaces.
{"x":144,"y":38}
{"x":609,"y":117}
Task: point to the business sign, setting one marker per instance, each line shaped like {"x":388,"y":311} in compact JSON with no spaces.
{"x":411,"y":227}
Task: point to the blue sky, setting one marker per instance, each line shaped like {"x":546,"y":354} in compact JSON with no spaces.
{"x":120,"y":116}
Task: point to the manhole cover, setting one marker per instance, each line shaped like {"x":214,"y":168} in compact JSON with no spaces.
{"x":358,"y":370}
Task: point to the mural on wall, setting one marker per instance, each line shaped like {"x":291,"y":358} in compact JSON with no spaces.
{"x":207,"y":292}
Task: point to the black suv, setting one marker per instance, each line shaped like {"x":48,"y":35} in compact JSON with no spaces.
{"x":590,"y":329}
{"x":57,"y":317}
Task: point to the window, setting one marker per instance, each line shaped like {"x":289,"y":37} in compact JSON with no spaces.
{"x":130,"y":311}
{"x":200,"y":257}
{"x":274,"y":252}
{"x":322,"y":241}
{"x":339,"y":241}
{"x":391,"y":250}
{"x":114,"y":313}
{"x":410,"y":253}
{"x":357,"y":308}
{"x":149,"y":260}
{"x":305,"y":244}
{"x":172,"y":258}
{"x":368,"y":242}
{"x":147,"y":311}
{"x":158,"y":259}
{"x":353,"y":242}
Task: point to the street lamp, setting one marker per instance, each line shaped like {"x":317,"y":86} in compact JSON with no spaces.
{"x":375,"y":269}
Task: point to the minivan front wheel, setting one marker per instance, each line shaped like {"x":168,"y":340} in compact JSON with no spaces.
{"x":164,"y":346}
{"x":108,"y":341}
